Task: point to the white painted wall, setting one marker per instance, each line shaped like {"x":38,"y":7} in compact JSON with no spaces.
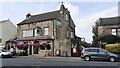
{"x":0,"y":32}
{"x":9,"y":30}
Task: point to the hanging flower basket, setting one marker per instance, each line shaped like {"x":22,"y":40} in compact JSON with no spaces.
{"x":45,"y":44}
{"x":37,"y":44}
{"x":22,"y":46}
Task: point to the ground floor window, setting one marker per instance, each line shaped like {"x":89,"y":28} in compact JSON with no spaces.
{"x":42,"y":47}
{"x":48,"y":47}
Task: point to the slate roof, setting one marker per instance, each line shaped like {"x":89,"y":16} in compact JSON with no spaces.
{"x":110,"y":21}
{"x":41,"y":17}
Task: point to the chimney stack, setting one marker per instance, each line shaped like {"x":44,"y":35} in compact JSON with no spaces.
{"x":28,"y":15}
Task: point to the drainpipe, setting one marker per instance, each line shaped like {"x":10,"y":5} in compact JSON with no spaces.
{"x":53,"y":38}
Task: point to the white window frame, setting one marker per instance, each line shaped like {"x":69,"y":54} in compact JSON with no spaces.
{"x":72,"y":34}
{"x":67,"y":33}
{"x":66,"y":17}
{"x":113,"y":32}
{"x":36,"y":33}
{"x":46,"y":31}
{"x":118,"y":31}
{"x":0,"y":40}
{"x":27,"y":33}
{"x":58,"y":23}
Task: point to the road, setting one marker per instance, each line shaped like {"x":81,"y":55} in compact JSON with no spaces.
{"x":56,"y":62}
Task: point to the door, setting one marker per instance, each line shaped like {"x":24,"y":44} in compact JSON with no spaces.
{"x":30,"y":50}
{"x":103,"y":54}
{"x":94,"y":53}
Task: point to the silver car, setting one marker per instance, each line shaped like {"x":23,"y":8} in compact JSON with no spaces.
{"x":98,"y":53}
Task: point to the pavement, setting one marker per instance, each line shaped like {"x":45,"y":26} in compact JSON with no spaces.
{"x":47,"y":57}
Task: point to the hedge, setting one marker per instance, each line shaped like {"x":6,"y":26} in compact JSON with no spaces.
{"x":115,"y":48}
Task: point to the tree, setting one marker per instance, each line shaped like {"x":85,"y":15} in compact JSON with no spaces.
{"x":95,"y":41}
{"x":109,"y":39}
{"x":95,"y":35}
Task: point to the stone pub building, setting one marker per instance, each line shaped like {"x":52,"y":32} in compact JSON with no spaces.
{"x":49,"y":33}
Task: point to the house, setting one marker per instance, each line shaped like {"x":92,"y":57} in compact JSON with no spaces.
{"x":106,"y":26}
{"x":7,"y":31}
{"x":48,"y":33}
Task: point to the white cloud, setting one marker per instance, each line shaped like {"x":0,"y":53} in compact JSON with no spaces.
{"x":74,"y":10}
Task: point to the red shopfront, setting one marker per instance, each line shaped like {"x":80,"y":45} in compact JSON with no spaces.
{"x":37,"y":46}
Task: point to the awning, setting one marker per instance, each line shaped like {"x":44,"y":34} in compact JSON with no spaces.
{"x":39,"y":44}
{"x":45,"y":44}
{"x":22,"y":45}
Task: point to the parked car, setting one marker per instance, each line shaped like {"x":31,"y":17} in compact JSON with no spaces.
{"x":4,"y":53}
{"x":98,"y":53}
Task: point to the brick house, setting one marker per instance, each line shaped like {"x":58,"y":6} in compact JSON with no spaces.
{"x":108,"y":26}
{"x":49,"y":32}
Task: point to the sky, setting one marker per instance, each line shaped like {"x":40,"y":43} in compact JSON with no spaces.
{"x":84,"y":13}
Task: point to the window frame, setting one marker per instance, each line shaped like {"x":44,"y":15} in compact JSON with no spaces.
{"x":113,"y":31}
{"x":67,"y":33}
{"x":36,"y":33}
{"x":72,"y":34}
{"x":44,"y":48}
{"x":0,"y":40}
{"x":118,"y":31}
{"x":24,"y":33}
{"x":66,"y":17}
{"x":46,"y":33}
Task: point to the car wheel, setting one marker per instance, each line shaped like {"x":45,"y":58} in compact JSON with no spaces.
{"x":112,"y":59}
{"x":87,"y":58}
{"x":2,"y":56}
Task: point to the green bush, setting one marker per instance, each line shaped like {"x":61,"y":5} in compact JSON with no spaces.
{"x":115,"y":48}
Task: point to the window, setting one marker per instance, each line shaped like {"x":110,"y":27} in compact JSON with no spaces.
{"x":42,"y":47}
{"x":113,"y":31}
{"x":66,"y":17}
{"x":102,"y":51}
{"x":23,"y":33}
{"x":46,"y":31}
{"x":72,"y":34}
{"x":27,"y":33}
{"x":87,"y":50}
{"x":67,"y":33}
{"x":94,"y":50}
{"x":48,"y":47}
{"x":118,"y":31}
{"x":37,"y":31}
{"x":0,"y":40}
{"x":58,"y":23}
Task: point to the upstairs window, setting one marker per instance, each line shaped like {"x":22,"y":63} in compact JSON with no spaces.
{"x":118,"y":32}
{"x":28,"y":33}
{"x":113,"y":31}
{"x":46,"y":31}
{"x":37,"y":31}
{"x":67,"y":33}
{"x":0,"y":40}
{"x":66,"y":17}
{"x":58,"y":24}
{"x":72,"y":34}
